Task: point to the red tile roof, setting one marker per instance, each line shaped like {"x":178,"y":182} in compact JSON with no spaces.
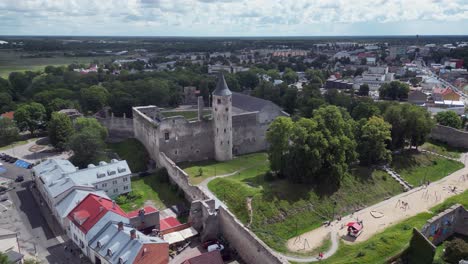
{"x":9,"y":115}
{"x":148,"y":210}
{"x":213,"y":257}
{"x":167,"y":223}
{"x":91,"y":209}
{"x":153,"y":254}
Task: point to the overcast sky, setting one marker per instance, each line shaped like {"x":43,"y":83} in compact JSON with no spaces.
{"x":233,"y":17}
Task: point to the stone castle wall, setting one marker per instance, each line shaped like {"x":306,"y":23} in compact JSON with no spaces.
{"x":118,"y":127}
{"x":250,"y":248}
{"x":249,"y":135}
{"x":453,"y":137}
{"x":451,"y":221}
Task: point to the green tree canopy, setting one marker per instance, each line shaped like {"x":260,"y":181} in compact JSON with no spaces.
{"x":30,"y":117}
{"x":372,"y":137}
{"x":94,"y":98}
{"x":365,"y":110}
{"x":394,"y":91}
{"x":278,"y":136}
{"x":290,"y":76}
{"x":86,"y":146}
{"x":6,"y":102}
{"x":8,"y":131}
{"x":363,"y":90}
{"x":449,"y":118}
{"x":92,"y":125}
{"x":60,"y":130}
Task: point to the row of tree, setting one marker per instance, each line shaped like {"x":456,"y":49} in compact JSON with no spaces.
{"x":320,"y":149}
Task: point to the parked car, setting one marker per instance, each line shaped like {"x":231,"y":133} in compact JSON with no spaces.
{"x":12,"y":160}
{"x":19,"y":178}
{"x":215,"y":247}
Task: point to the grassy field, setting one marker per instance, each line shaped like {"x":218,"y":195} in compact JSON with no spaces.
{"x":212,"y":168}
{"x":189,"y":115}
{"x":443,"y":149}
{"x":393,"y":240}
{"x":133,"y":152}
{"x":154,"y":189}
{"x":282,"y":210}
{"x":416,"y":167}
{"x":11,"y":61}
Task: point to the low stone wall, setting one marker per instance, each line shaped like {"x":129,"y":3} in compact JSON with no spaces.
{"x":118,"y":127}
{"x":451,"y":221}
{"x":453,"y":137}
{"x":179,"y":177}
{"x":250,"y":248}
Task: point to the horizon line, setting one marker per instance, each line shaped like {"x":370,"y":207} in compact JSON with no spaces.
{"x":240,"y":36}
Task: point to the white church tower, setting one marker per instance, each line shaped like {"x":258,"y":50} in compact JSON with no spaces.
{"x":222,"y":120}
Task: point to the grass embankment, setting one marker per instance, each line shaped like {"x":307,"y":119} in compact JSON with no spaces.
{"x":282,"y":210}
{"x":212,"y":168}
{"x":11,"y":61}
{"x":443,"y":149}
{"x":417,"y":167}
{"x":393,"y":240}
{"x":133,"y":152}
{"x":154,"y":190}
{"x":189,"y":115}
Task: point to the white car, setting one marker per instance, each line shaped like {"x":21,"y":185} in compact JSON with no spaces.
{"x":214,"y":247}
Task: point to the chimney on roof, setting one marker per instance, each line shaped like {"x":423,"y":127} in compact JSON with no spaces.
{"x":120,"y":226}
{"x":132,"y":234}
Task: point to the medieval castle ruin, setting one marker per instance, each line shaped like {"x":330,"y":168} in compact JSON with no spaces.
{"x":237,"y":126}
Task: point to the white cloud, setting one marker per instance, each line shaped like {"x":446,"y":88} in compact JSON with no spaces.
{"x":222,"y":17}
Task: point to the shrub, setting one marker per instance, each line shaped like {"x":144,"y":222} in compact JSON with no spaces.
{"x":456,"y":250}
{"x":361,"y":254}
{"x":121,"y":199}
{"x":269,"y":176}
{"x":384,"y":177}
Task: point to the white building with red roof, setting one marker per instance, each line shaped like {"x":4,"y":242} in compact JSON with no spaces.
{"x":90,"y":216}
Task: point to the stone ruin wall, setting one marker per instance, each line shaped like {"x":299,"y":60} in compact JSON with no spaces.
{"x":453,"y":137}
{"x":451,"y":221}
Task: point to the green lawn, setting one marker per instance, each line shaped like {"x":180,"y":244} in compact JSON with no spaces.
{"x":133,"y":152}
{"x":283,"y":210}
{"x":416,"y":167}
{"x":11,"y":61}
{"x":393,"y":240}
{"x":155,"y":189}
{"x":443,"y":149}
{"x":212,"y":168}
{"x":189,"y":115}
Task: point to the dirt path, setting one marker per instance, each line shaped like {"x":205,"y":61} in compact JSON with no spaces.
{"x":419,"y":200}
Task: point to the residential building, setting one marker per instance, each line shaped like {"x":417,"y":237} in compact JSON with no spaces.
{"x":397,"y":51}
{"x":90,"y":216}
{"x":441,"y":94}
{"x":118,"y":243}
{"x":213,"y":257}
{"x":59,"y":180}
{"x":417,"y":97}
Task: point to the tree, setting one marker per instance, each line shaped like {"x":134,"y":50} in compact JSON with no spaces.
{"x":8,"y":131}
{"x":274,"y":74}
{"x":94,"y":98}
{"x":6,"y":102}
{"x":92,"y":125}
{"x":247,"y":79}
{"x":278,"y":136}
{"x":363,"y":90}
{"x":86,"y":146}
{"x":60,"y":130}
{"x":419,"y":125}
{"x":5,"y":86}
{"x":365,"y":110}
{"x":414,"y":82}
{"x":19,"y":81}
{"x":289,"y":100}
{"x":121,"y":103}
{"x":290,"y":76}
{"x":394,"y":90}
{"x":4,"y":258}
{"x":30,"y":117}
{"x":449,"y":118}
{"x":372,"y":139}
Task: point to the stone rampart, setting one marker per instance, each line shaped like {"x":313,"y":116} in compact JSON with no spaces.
{"x":451,"y":221}
{"x":453,"y":137}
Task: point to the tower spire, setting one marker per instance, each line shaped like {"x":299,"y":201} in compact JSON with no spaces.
{"x":222,"y":88}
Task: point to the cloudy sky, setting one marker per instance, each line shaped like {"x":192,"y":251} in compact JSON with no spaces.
{"x":233,"y":17}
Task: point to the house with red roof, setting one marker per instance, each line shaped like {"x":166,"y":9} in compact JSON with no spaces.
{"x":9,"y":115}
{"x":146,"y":218}
{"x":90,"y":216}
{"x":213,"y":257}
{"x":442,"y":94}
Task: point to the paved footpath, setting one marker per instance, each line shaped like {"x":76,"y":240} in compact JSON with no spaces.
{"x":419,"y":200}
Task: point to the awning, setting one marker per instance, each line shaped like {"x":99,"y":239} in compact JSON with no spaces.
{"x":188,"y":232}
{"x":173,"y":238}
{"x":354,"y":225}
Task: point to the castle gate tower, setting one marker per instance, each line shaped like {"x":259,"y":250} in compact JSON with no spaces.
{"x":222,"y":120}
